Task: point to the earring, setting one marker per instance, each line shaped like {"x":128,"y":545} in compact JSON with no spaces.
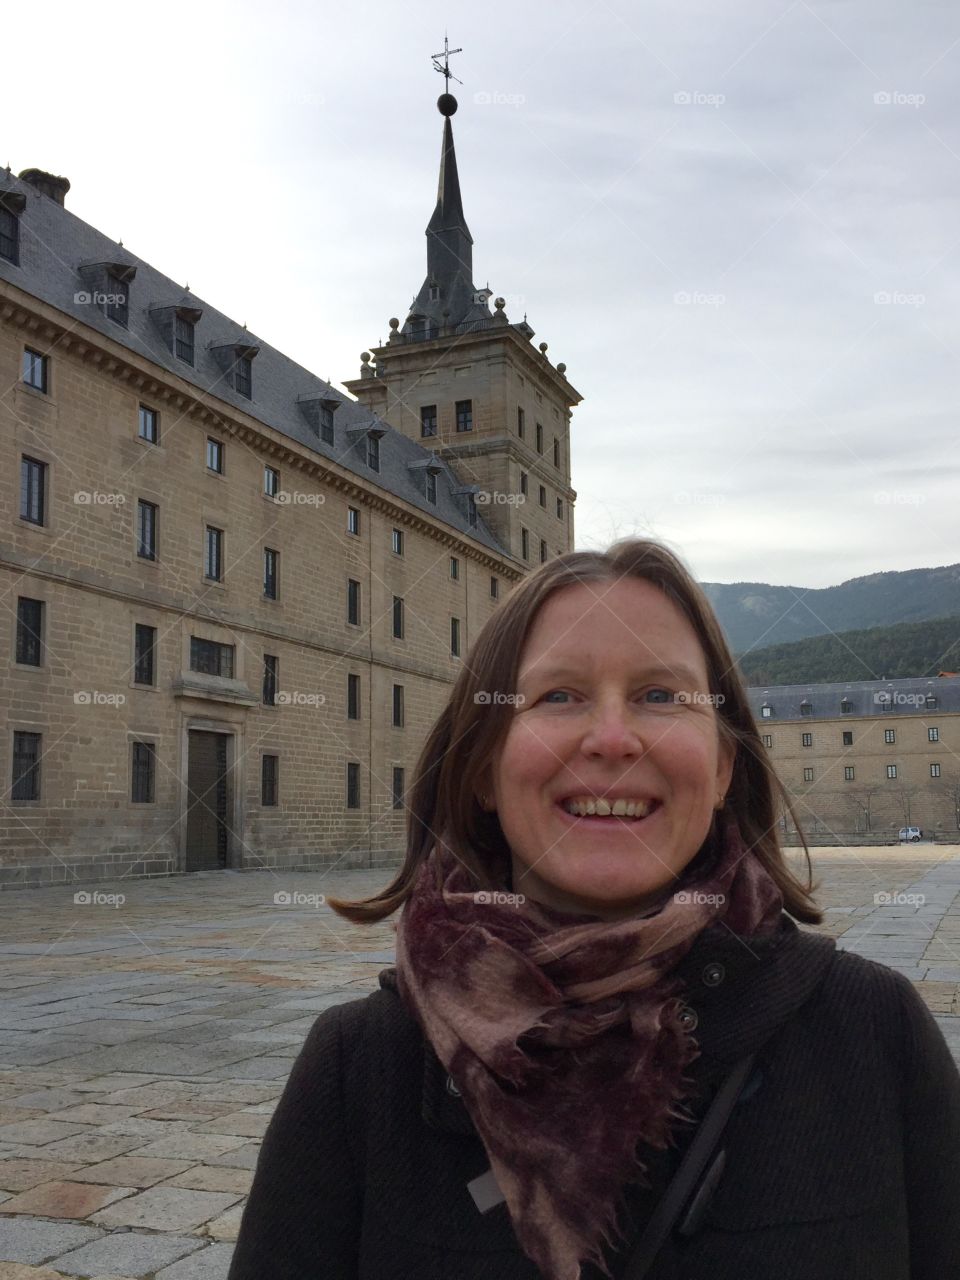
{"x":721,"y":800}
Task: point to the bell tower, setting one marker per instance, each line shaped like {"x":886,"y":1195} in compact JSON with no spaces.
{"x":469,"y":383}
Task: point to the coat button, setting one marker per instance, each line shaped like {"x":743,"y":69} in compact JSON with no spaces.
{"x":713,"y":974}
{"x":688,"y":1018}
{"x":452,"y":1088}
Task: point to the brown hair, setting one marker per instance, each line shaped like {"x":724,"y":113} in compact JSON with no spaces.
{"x":462,"y":744}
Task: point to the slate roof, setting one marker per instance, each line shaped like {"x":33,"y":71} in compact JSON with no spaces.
{"x":55,"y":243}
{"x":867,"y":698}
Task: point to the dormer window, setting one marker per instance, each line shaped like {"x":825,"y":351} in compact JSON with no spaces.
{"x":319,"y":411}
{"x":846,"y":706}
{"x":806,"y":708}
{"x":236,"y":360}
{"x":183,"y":334}
{"x":326,"y":421}
{"x":434,"y":293}
{"x":243,"y":376}
{"x":11,"y":206}
{"x":117,"y":304}
{"x":373,"y":452}
{"x":766,"y":711}
{"x":431,"y":487}
{"x":108,"y":287}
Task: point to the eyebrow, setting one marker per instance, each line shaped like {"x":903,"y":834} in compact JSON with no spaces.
{"x":677,"y":671}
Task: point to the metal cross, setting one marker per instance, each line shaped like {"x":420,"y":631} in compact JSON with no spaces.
{"x":444,"y":67}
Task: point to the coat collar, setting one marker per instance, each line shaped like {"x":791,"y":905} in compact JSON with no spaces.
{"x":741,"y":990}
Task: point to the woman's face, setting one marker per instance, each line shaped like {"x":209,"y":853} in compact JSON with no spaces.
{"x":615,"y":704}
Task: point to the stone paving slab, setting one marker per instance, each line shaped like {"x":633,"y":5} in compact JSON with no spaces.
{"x":149,"y":1064}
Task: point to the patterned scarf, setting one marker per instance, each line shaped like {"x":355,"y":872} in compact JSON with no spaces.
{"x":562,"y":1032}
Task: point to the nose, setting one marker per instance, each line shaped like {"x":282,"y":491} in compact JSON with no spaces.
{"x":613,"y":731}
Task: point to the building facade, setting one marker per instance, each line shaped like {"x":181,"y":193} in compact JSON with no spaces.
{"x":867,"y":757}
{"x":235,"y":598}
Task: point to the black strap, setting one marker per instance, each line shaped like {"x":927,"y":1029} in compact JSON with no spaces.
{"x":691,"y":1167}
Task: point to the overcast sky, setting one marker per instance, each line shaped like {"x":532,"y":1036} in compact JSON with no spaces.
{"x":738,"y":224}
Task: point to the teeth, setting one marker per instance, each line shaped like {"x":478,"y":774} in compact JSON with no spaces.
{"x":588,"y":806}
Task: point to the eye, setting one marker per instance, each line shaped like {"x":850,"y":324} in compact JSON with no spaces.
{"x":668,"y":696}
{"x":552,"y":693}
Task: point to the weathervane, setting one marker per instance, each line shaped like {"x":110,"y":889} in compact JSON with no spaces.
{"x":444,"y":67}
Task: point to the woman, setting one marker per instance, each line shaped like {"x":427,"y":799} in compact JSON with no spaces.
{"x":598,"y":944}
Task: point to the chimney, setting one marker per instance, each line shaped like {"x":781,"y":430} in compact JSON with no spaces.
{"x":47,"y":183}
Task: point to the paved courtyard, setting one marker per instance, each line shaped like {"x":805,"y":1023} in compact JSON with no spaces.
{"x":148,"y":1027}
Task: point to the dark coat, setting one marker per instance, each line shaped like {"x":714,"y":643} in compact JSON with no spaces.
{"x":844,"y":1164}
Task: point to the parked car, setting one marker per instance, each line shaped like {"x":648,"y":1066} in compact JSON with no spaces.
{"x":910,"y":833}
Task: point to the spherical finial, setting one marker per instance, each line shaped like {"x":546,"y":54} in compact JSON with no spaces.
{"x":499,"y":303}
{"x":364,"y":357}
{"x":446,"y":104}
{"x":543,"y":348}
{"x":561,"y":368}
{"x":394,"y":322}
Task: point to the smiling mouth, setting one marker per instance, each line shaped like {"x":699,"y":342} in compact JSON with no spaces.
{"x":581,"y":815}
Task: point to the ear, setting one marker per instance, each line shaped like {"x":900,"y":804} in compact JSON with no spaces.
{"x":726,"y":758}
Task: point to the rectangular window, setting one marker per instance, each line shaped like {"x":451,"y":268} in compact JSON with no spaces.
{"x":326,"y":423}
{"x":543,"y":496}
{"x":353,"y":521}
{"x":353,"y":785}
{"x":118,"y":300}
{"x":397,"y":542}
{"x":143,"y":772}
{"x":353,"y":601}
{"x":144,"y":654}
{"x":808,"y":775}
{"x":521,"y":422}
{"x":428,"y":420}
{"x":271,"y":679}
{"x":398,"y":788}
{"x":524,"y":482}
{"x":269,"y":781}
{"x":556,"y":452}
{"x":211,"y":658}
{"x":766,"y":712}
{"x":806,"y":739}
{"x":243,"y":377}
{"x":431,"y":487}
{"x":398,"y":617}
{"x":33,"y":490}
{"x":494,"y":588}
{"x":35,"y":369}
{"x":26,"y":766}
{"x":525,"y":543}
{"x":271,"y":481}
{"x":353,"y":696}
{"x":889,"y":735}
{"x":847,"y":737}
{"x":183,"y":339}
{"x":930,"y":702}
{"x":271,"y":572}
{"x":539,"y":437}
{"x":29,"y":631}
{"x":891,"y":770}
{"x":543,"y":551}
{"x":455,"y":637}
{"x":848,"y":773}
{"x":9,"y":235}
{"x":464,"y":415}
{"x":454,"y":568}
{"x":806,"y":709}
{"x":147,"y":529}
{"x":933,"y":734}
{"x":373,"y":453}
{"x":768,"y":739}
{"x":934,"y":771}
{"x":398,"y":706}
{"x":213,"y":554}
{"x":214,"y":455}
{"x":559,"y":508}
{"x":149,"y":425}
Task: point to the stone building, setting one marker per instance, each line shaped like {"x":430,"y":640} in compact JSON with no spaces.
{"x":235,"y":598}
{"x":867,"y":757}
